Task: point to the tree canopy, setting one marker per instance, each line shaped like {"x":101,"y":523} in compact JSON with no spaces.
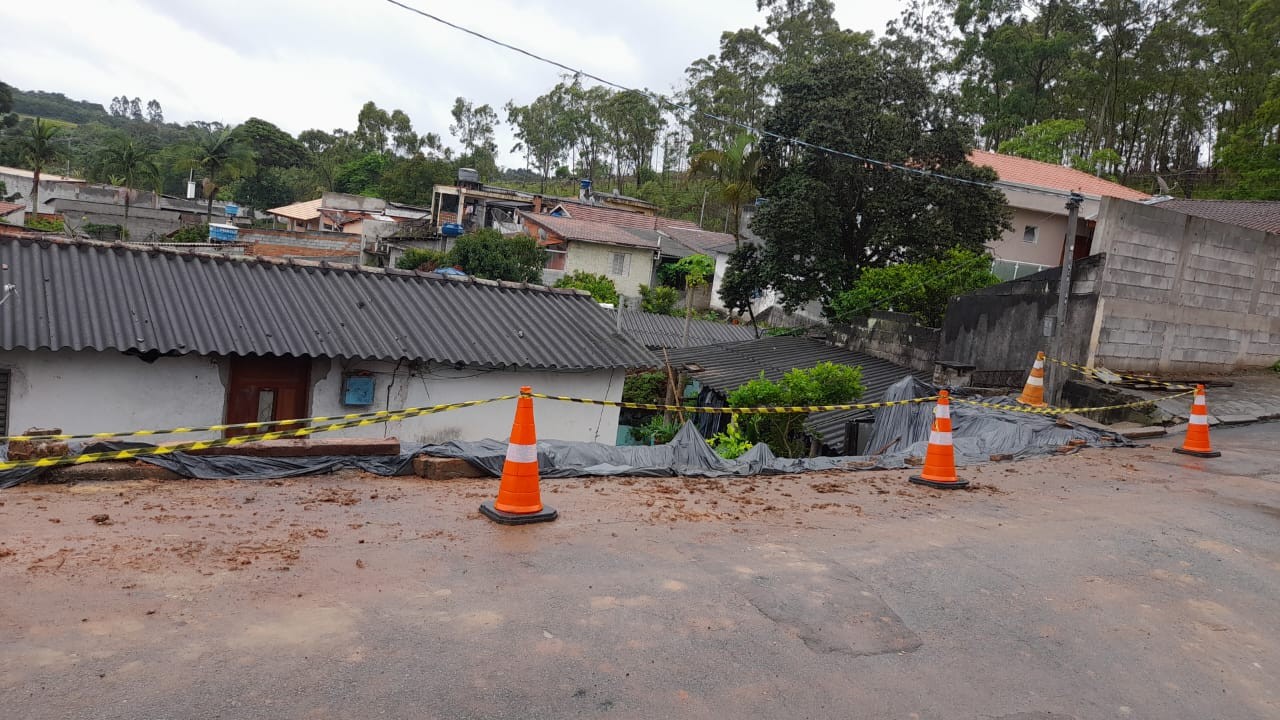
{"x":828,"y":218}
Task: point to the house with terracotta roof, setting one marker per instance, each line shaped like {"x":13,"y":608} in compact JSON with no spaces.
{"x":12,"y":213}
{"x":626,"y":255}
{"x":1037,"y":192}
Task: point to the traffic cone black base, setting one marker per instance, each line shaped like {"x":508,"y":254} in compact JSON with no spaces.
{"x":953,"y":485}
{"x":546,"y":514}
{"x":1197,"y":453}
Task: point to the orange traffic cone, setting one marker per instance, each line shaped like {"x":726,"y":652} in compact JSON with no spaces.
{"x":1197,"y":442}
{"x":519,"y":501}
{"x":1033,"y":391}
{"x":940,"y":459}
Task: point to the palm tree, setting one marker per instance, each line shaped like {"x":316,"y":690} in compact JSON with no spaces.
{"x":130,"y":163}
{"x":734,"y":170}
{"x":222,"y":158}
{"x":39,"y":149}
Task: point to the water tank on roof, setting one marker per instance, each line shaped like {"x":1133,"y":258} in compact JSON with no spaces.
{"x":232,"y":210}
{"x":468,"y":175}
{"x":219,"y":232}
{"x":451,"y":230}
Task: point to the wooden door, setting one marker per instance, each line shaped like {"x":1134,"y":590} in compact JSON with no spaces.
{"x":267,"y":388}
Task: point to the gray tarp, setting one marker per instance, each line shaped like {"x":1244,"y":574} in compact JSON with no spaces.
{"x":900,"y":432}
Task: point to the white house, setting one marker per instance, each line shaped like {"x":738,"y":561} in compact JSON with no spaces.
{"x":1036,"y":193}
{"x":102,"y":338}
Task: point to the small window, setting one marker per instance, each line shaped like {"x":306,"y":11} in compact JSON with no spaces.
{"x":621,"y":264}
{"x":1030,"y":234}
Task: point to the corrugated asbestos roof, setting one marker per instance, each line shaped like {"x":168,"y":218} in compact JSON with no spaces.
{"x":726,"y":367}
{"x":664,"y":331}
{"x":97,"y":296}
{"x":1261,"y":215}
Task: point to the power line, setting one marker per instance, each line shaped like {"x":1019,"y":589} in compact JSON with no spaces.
{"x":662,"y":100}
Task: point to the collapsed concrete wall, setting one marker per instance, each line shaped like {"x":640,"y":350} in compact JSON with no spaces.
{"x":1180,"y":293}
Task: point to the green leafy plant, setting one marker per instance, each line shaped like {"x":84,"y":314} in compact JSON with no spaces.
{"x":422,"y":259}
{"x":601,"y":288}
{"x":661,"y":300}
{"x":824,"y":384}
{"x":45,"y":224}
{"x":191,"y":234}
{"x":657,"y":431}
{"x":104,"y":232}
{"x":645,"y":387}
{"x":487,"y":254}
{"x":731,"y":443}
{"x":921,"y":289}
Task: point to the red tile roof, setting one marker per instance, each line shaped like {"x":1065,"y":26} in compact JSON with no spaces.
{"x":8,"y":207}
{"x":598,"y":232}
{"x":621,"y":218}
{"x":1022,"y":171}
{"x":1261,"y":215}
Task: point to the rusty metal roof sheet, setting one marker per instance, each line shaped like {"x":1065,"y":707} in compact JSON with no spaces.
{"x":78,"y":295}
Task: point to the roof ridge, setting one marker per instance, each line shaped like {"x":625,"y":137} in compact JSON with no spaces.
{"x":325,"y":265}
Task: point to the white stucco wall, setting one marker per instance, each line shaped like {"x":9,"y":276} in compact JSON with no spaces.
{"x":597,"y":258}
{"x":438,"y":385}
{"x":84,"y":392}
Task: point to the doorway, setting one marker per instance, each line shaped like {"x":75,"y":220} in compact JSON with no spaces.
{"x":266,"y":388}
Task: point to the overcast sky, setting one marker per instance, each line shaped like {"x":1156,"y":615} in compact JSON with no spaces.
{"x":313,"y":63}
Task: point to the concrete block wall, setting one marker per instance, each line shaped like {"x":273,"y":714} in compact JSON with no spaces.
{"x":999,"y":329}
{"x":1184,"y":294}
{"x":891,"y":336}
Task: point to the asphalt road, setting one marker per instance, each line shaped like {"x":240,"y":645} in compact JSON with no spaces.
{"x":1125,"y":583}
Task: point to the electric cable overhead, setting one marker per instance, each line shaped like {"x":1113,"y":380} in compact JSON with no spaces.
{"x":664,"y":101}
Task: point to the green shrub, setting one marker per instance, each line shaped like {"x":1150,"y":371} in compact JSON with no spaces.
{"x":45,"y":224}
{"x":660,"y":300}
{"x":824,"y":384}
{"x":731,"y":443}
{"x":922,"y":289}
{"x":658,"y":431}
{"x":104,"y":232}
{"x":645,"y":387}
{"x":191,"y":234}
{"x":487,"y":254}
{"x":422,"y":259}
{"x":601,"y":288}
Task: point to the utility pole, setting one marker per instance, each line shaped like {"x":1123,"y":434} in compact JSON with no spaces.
{"x":1064,"y":286}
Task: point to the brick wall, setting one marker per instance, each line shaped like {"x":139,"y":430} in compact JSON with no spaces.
{"x":281,"y":243}
{"x":1180,"y":293}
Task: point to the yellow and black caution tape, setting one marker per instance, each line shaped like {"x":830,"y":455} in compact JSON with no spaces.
{"x":412,"y":412}
{"x":1065,"y":411}
{"x":781,"y":409}
{"x":132,"y":453}
{"x":1093,"y":372}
